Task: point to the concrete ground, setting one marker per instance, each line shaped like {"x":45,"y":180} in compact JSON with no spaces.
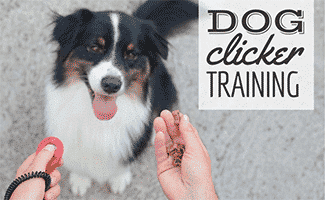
{"x":254,"y":154}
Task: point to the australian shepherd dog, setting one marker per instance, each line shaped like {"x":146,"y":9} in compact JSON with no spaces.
{"x":108,"y":83}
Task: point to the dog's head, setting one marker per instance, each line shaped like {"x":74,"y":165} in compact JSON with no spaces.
{"x":113,"y":53}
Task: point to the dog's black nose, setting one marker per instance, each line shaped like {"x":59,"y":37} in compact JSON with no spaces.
{"x":111,"y":84}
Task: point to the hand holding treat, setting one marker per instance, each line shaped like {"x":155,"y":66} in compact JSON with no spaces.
{"x":183,"y":163}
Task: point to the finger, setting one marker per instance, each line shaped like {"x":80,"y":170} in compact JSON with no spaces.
{"x":170,"y":124}
{"x":197,"y":137}
{"x":53,"y":193}
{"x":42,"y":158}
{"x":186,"y":118}
{"x":21,"y":170}
{"x":196,"y":133}
{"x":160,"y":126}
{"x":164,"y":162}
{"x":192,"y":142}
{"x":55,"y":177}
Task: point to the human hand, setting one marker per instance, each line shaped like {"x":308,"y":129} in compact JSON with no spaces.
{"x":192,"y":180}
{"x":35,"y":188}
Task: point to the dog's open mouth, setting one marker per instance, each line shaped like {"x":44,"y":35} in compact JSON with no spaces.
{"x":104,"y":106}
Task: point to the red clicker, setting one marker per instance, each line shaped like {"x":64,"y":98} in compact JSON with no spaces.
{"x":58,"y":153}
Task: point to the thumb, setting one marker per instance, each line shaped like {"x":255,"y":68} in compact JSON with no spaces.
{"x":164,"y":163}
{"x":42,"y":158}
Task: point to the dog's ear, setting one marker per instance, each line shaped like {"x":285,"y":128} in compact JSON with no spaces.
{"x":154,"y":43}
{"x":68,"y":28}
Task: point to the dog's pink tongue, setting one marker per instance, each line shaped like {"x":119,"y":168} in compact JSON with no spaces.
{"x":104,"y":107}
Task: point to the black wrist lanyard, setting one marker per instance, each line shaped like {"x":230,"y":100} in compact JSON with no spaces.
{"x":25,"y":177}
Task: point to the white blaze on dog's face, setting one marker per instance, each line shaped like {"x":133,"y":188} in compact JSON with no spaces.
{"x":105,"y":78}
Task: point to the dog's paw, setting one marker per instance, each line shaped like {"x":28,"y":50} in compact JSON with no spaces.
{"x":119,"y":183}
{"x":79,"y":184}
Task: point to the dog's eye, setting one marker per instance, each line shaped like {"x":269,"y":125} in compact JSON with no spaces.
{"x":130,"y":55}
{"x":95,"y":49}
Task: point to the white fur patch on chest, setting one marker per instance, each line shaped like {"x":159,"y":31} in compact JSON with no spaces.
{"x":70,"y":117}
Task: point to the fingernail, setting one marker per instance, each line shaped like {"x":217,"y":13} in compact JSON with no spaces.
{"x":186,"y":118}
{"x":50,"y":147}
{"x":159,"y":132}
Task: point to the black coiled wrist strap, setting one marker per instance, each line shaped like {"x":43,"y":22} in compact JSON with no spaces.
{"x":25,"y":177}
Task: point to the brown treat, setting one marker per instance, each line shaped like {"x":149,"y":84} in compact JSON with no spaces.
{"x":177,"y":138}
{"x":176,"y":116}
{"x":177,"y":157}
{"x":177,"y":149}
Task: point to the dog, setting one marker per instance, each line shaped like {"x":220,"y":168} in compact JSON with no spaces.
{"x":108,"y":84}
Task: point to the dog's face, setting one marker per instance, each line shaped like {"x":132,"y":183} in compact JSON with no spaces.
{"x":113,"y":53}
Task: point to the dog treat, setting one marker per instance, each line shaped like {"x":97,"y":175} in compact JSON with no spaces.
{"x":176,"y":116}
{"x":178,"y":147}
{"x":177,"y":154}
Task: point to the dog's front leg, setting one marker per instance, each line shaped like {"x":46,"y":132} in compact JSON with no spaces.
{"x":123,"y":179}
{"x":79,"y":184}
